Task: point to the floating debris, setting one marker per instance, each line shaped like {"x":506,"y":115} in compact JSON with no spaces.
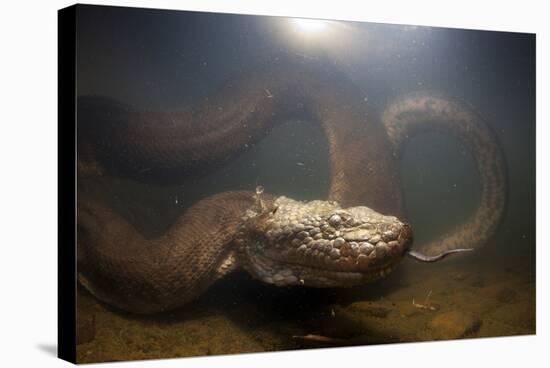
{"x":258,"y":195}
{"x":269,"y":95}
{"x":427,"y":303}
{"x":306,"y":56}
{"x":323,"y":339}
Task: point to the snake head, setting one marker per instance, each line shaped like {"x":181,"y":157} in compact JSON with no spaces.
{"x":320,"y":244}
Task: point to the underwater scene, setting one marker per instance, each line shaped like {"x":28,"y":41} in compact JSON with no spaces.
{"x":253,"y":183}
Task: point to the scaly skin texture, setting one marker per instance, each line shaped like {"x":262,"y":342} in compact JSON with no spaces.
{"x":320,"y":244}
{"x":125,"y":269}
{"x":417,"y":112}
{"x":284,"y":242}
{"x":172,"y":146}
{"x":264,"y":234}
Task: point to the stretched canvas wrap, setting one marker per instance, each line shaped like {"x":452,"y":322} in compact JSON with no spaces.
{"x":244,"y":183}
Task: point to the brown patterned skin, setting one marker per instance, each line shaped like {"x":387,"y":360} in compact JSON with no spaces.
{"x":227,"y":231}
{"x":174,"y":145}
{"x":230,"y":230}
{"x":123,"y":268}
{"x":417,"y":112}
{"x":319,"y":243}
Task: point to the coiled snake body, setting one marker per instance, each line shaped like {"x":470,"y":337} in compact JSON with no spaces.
{"x":342,"y":241}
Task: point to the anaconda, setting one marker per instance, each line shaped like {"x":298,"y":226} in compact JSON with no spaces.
{"x":350,"y":238}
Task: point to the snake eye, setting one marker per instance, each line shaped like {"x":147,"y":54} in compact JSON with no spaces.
{"x":335,"y":220}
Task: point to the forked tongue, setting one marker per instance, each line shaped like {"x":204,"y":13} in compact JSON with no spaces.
{"x":424,"y":258}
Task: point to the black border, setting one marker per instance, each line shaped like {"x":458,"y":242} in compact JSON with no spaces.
{"x":66,"y":187}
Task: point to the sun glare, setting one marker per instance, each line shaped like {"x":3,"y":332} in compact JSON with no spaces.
{"x":310,"y":25}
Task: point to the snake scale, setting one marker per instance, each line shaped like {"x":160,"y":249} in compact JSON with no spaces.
{"x":353,"y":237}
